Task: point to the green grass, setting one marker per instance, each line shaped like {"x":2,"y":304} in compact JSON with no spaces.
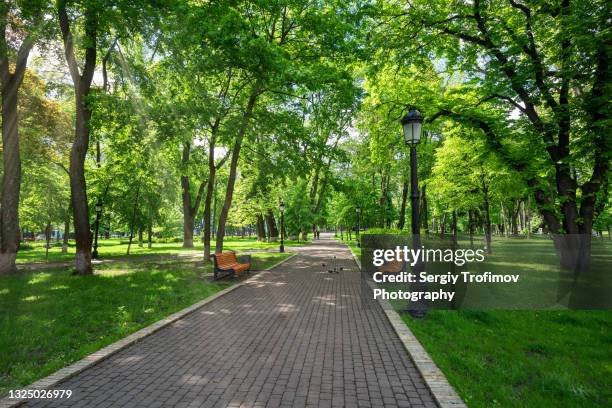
{"x":560,"y":358}
{"x":522,"y":358}
{"x":51,"y":319}
{"x":115,"y":248}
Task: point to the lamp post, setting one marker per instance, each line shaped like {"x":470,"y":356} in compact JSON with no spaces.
{"x":281,"y":208}
{"x":94,"y":254}
{"x":412,"y":125}
{"x":358,"y":211}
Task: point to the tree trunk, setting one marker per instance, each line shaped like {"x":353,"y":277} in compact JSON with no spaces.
{"x":133,"y":222}
{"x":261,"y":231}
{"x":11,"y":181}
{"x":231,"y":181}
{"x":454,"y":227}
{"x":486,"y":208}
{"x":471,"y":228}
{"x":189,"y":211}
{"x":188,"y":226}
{"x":11,"y":176}
{"x":208,"y":219}
{"x":514,"y":218}
{"x":443,"y":226}
{"x":188,"y":216}
{"x":402,"y":217}
{"x":78,"y":187}
{"x":47,"y":239}
{"x":272,"y":229}
{"x":66,"y":234}
{"x":150,"y":236}
{"x":528,"y":218}
{"x":82,"y":85}
{"x":424,"y":210}
{"x":140,"y":237}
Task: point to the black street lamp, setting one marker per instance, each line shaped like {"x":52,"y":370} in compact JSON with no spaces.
{"x":281,"y":208}
{"x":412,"y":125}
{"x":358,"y":211}
{"x":94,"y":254}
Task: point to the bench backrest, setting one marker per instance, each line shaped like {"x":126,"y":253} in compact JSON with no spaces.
{"x":224,"y":260}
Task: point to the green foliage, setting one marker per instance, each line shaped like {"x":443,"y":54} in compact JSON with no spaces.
{"x":298,"y":215}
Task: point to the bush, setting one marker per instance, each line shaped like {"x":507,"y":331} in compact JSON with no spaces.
{"x":168,"y":240}
{"x":384,"y":231}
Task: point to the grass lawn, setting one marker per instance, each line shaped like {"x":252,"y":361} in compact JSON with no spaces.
{"x":51,"y":319}
{"x":560,"y":358}
{"x":116,"y":248}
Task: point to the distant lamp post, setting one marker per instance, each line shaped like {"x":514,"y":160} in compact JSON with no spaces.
{"x":94,"y":254}
{"x":412,"y":125}
{"x":281,"y":208}
{"x":358,"y":211}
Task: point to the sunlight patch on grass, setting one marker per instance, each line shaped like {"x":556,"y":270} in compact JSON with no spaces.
{"x":114,"y":272}
{"x":39,"y":278}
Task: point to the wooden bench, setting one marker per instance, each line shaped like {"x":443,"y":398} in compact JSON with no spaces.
{"x":227,"y":264}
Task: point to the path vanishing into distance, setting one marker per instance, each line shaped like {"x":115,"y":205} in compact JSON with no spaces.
{"x":295,"y":336}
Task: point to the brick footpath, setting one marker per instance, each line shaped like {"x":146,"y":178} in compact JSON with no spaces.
{"x":295,"y":336}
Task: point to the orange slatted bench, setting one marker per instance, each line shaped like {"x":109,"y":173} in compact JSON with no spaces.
{"x":227,"y":264}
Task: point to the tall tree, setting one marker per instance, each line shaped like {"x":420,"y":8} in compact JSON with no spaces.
{"x":82,"y":85}
{"x":21,"y":23}
{"x":95,"y":21}
{"x":547,"y":62}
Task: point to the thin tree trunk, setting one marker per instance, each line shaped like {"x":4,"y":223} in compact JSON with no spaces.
{"x":454,"y":227}
{"x":210,"y":190}
{"x":402,"y":217}
{"x":47,"y":239}
{"x":424,"y":210}
{"x":188,"y":216}
{"x":443,"y":226}
{"x":231,"y":181}
{"x":471,"y":228}
{"x":528,"y":217}
{"x":486,"y":208}
{"x":140,"y":238}
{"x":133,"y":220}
{"x":150,"y":235}
{"x":66,"y":233}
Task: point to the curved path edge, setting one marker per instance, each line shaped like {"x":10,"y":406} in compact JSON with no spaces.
{"x":437,"y":383}
{"x":95,"y":358}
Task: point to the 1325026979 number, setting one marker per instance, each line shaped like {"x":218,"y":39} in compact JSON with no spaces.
{"x":47,"y":394}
